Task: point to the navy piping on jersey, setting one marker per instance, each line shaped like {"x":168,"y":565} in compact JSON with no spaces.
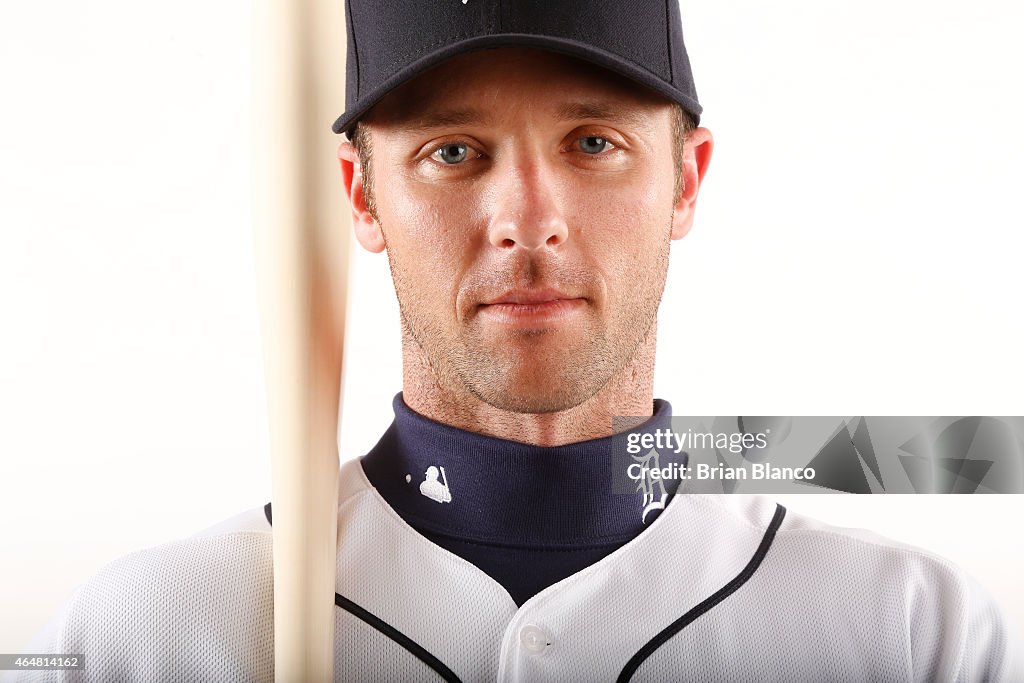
{"x":706,"y":605}
{"x":634,"y":662}
{"x":385,"y":628}
{"x":397,"y":636}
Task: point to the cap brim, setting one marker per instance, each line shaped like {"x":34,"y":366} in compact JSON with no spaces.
{"x":564,"y":46}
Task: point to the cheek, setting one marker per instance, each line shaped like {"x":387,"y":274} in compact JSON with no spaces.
{"x":625,"y":223}
{"x":431,"y":236}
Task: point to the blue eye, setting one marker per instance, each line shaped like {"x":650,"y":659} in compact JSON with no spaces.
{"x":453,"y":153}
{"x":593,"y":144}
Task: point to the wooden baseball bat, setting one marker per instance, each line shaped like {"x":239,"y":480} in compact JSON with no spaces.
{"x":302,"y":237}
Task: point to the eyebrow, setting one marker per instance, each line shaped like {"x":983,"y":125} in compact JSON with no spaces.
{"x":442,"y":118}
{"x":569,"y":111}
{"x":575,"y":111}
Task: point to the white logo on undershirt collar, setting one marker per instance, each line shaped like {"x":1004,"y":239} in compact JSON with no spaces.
{"x":653,"y":490}
{"x":434,"y":489}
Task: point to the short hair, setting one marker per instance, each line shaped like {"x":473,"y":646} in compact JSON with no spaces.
{"x":682,"y":126}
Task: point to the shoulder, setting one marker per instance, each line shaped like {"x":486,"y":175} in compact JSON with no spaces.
{"x":164,"y":602}
{"x":949,"y":622}
{"x":226,"y":559}
{"x":820,"y":552}
{"x":229,"y":553}
{"x":821,"y":540}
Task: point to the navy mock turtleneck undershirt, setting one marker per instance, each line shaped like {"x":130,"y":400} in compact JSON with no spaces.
{"x":528,"y":516}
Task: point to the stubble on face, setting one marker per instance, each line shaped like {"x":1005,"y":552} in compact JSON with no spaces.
{"x":521,"y":373}
{"x":615,"y":259}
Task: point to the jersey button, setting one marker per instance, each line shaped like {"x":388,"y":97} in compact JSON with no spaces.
{"x":534,"y":639}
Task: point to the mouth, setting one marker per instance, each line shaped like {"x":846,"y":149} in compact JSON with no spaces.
{"x":531,"y":307}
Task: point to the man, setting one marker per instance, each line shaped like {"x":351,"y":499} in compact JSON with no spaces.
{"x":525,"y":166}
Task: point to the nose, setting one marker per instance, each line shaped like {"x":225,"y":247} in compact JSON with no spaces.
{"x":527,"y":211}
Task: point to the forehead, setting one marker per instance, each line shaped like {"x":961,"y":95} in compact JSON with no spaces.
{"x":502,"y":79}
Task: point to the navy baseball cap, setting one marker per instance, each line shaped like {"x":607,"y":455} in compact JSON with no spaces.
{"x":393,"y":41}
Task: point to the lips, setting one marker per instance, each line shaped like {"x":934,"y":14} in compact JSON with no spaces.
{"x":532,"y":307}
{"x":528,"y":297}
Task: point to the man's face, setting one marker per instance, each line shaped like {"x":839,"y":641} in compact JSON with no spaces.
{"x":526,"y":203}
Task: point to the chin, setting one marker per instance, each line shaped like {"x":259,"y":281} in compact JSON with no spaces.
{"x":528,"y":402}
{"x":537,"y":390}
{"x":540,"y":373}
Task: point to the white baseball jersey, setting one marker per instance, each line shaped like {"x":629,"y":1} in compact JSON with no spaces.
{"x":717,"y":588}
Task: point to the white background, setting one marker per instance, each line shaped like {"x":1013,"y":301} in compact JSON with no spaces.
{"x":857,"y":252}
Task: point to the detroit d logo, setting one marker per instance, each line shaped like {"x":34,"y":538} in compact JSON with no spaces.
{"x":653,"y":490}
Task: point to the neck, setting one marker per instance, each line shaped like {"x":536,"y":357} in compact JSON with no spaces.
{"x":629,"y":392}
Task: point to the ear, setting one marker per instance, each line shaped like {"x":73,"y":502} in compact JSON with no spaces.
{"x":696,"y":157}
{"x":365,"y":225}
